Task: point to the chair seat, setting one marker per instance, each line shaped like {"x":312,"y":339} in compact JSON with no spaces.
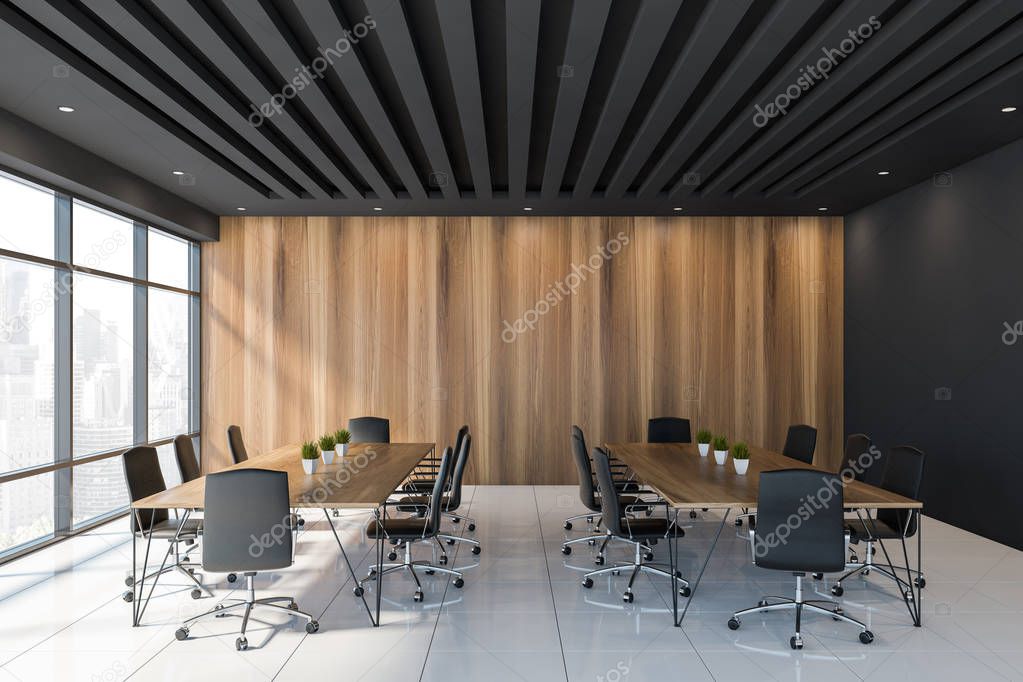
{"x":419,"y":486}
{"x":650,"y":528}
{"x":860,"y":531}
{"x":167,"y":528}
{"x":400,"y":528}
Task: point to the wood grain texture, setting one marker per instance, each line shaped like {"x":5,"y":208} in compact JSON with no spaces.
{"x":685,"y":479}
{"x":735,"y":323}
{"x":363,"y":479}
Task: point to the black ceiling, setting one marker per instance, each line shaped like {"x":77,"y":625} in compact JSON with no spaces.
{"x":489,"y":106}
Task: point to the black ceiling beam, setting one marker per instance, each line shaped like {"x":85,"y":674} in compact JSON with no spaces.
{"x":942,"y":88}
{"x":456,"y":28}
{"x":393,"y":31}
{"x":522,"y":29}
{"x":325,"y":23}
{"x":711,"y":32}
{"x":78,"y":61}
{"x":581,"y":47}
{"x":969,"y":29}
{"x":268,"y":28}
{"x":774,"y":32}
{"x":912,"y":23}
{"x":648,"y":33}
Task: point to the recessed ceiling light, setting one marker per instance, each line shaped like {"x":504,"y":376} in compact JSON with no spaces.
{"x":66,"y":110}
{"x":527,"y":208}
{"x":884,"y":172}
{"x":241,"y":208}
{"x":677,"y":208}
{"x":377,"y":208}
{"x":823,"y":208}
{"x":177,"y":172}
{"x":1008,"y":110}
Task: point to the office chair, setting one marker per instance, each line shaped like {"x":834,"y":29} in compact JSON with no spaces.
{"x":230,"y":524}
{"x":903,"y":474}
{"x":188,"y":463}
{"x":143,"y":477}
{"x":370,"y":430}
{"x":855,"y":445}
{"x":800,"y":443}
{"x":668,"y":430}
{"x":236,"y":445}
{"x":422,"y":477}
{"x":640,"y":533}
{"x":452,"y":499}
{"x":588,"y":487}
{"x":814,"y":542}
{"x":410,"y":530}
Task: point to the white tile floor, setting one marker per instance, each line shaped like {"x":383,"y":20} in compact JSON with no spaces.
{"x":522,"y":614}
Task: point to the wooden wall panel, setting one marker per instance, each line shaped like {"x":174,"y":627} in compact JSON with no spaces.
{"x":735,"y":323}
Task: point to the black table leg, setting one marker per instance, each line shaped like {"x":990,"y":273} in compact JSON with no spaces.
{"x":693,"y":586}
{"x":348,"y":563}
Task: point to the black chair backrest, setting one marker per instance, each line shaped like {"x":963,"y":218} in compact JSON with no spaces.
{"x":587,"y":493}
{"x":668,"y":430}
{"x":800,"y":442}
{"x":458,"y":440}
{"x":236,"y":444}
{"x":370,"y":430}
{"x":903,"y":473}
{"x":239,"y":535}
{"x":454,"y":496}
{"x":438,"y":490}
{"x":800,"y":521}
{"x":610,"y":509}
{"x":855,"y":445}
{"x":144,"y":478}
{"x":184,"y":453}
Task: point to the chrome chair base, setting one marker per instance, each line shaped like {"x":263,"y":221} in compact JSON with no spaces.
{"x":639,"y":565}
{"x":868,"y":566}
{"x":409,"y":565}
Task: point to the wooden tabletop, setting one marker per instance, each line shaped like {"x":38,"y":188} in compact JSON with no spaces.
{"x":366,"y":477}
{"x":683,"y":478}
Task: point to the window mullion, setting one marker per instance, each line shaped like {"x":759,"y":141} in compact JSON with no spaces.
{"x":63,"y":374}
{"x":140,"y":374}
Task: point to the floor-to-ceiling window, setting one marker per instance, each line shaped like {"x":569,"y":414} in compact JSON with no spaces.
{"x":99,"y":351}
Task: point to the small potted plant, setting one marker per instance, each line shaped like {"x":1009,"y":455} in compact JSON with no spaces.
{"x":343,"y":438}
{"x":740,"y":458}
{"x":720,"y":449}
{"x":703,"y":438}
{"x":310,"y":457}
{"x":327,"y":443}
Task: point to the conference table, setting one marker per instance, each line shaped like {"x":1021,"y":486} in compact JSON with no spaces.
{"x":363,"y":479}
{"x":685,"y":480}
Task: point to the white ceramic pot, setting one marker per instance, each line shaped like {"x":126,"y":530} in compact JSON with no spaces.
{"x":740,"y":466}
{"x":341,"y":449}
{"x":310,"y":465}
{"x":328,"y":456}
{"x":720,"y":456}
{"x":704,"y":449}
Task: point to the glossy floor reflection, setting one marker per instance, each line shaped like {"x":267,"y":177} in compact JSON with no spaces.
{"x":522,"y":614}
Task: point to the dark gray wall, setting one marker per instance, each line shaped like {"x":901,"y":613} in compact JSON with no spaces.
{"x":932,"y":274}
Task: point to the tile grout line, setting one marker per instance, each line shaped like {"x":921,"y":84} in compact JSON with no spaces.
{"x":550,"y":582}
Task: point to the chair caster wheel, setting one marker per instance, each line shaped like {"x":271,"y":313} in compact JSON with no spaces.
{"x":417,"y":597}
{"x":818,"y":576}
{"x":301,"y":522}
{"x":762,"y":603}
{"x":472,"y":527}
{"x":358,"y":591}
{"x":568,"y":525}
{"x":312,"y":626}
{"x":128,"y":582}
{"x":685,"y":591}
{"x":128,"y":596}
{"x":628,"y":597}
{"x":796,"y":642}
{"x":920,"y":582}
{"x":231,"y":577}
{"x":853,"y":559}
{"x":477,"y":549}
{"x":443,"y":559}
{"x":649,"y":512}
{"x":733,"y":623}
{"x":197,"y":593}
{"x":649,"y":556}
{"x":838,"y":590}
{"x":599,"y":560}
{"x":430,"y":571}
{"x":181,"y":634}
{"x":455,"y":520}
{"x":591,"y":543}
{"x":391,"y":556}
{"x":450,"y":541}
{"x":588,"y":583}
{"x":566,"y":550}
{"x":458,"y":582}
{"x":589,"y":519}
{"x":293,"y":606}
{"x":738,"y":523}
{"x":241,"y":644}
{"x":866,"y":636}
{"x":692,"y":513}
